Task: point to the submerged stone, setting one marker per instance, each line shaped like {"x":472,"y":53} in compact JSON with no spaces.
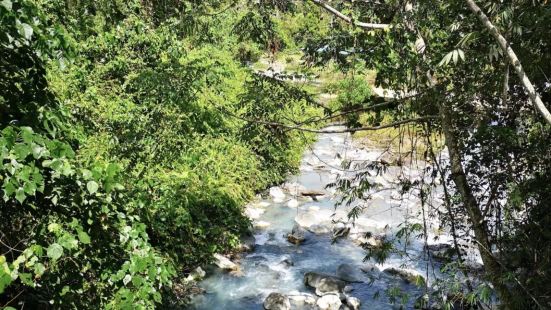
{"x":349,"y":273}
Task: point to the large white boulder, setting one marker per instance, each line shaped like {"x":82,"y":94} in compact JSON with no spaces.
{"x":277,"y":194}
{"x":293,"y":188}
{"x":299,"y":299}
{"x":329,"y":302}
{"x":308,"y":218}
{"x":261,"y":225}
{"x":224,"y":263}
{"x":253,"y":213}
{"x":293,"y":203}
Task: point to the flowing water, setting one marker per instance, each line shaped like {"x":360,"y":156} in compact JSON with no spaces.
{"x":264,"y":272}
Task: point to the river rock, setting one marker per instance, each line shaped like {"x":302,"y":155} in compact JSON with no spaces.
{"x":324,"y":283}
{"x":267,"y":272}
{"x":366,"y":224}
{"x":293,"y":203}
{"x":349,"y":273}
{"x":299,"y":298}
{"x":319,"y":229}
{"x":253,"y":213}
{"x":248,"y":243}
{"x":277,"y":194}
{"x":297,"y":235}
{"x":307,"y":219}
{"x":312,"y":193}
{"x":277,"y":301}
{"x":367,"y":239}
{"x":313,"y":208}
{"x":224,"y":263}
{"x":263,"y":204}
{"x":372,"y":270}
{"x":340,"y":230}
{"x":410,"y":276}
{"x":287,"y":261}
{"x":441,"y":251}
{"x":353,"y":303}
{"x":329,"y":302}
{"x":198,"y":273}
{"x":261,"y":225}
{"x":374,"y":242}
{"x":293,"y":188}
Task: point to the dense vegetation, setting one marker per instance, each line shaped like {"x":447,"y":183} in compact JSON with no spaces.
{"x":122,"y":167}
{"x":133,"y":132}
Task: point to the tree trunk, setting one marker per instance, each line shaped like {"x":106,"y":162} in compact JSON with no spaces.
{"x":513,"y":60}
{"x":491,"y":264}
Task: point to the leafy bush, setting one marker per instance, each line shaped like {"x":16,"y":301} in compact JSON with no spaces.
{"x":124,"y":160}
{"x":352,"y":93}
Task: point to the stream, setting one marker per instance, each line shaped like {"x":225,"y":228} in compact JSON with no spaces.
{"x":276,"y":265}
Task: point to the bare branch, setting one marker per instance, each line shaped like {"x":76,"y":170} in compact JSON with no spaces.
{"x":513,"y":59}
{"x":332,"y":10}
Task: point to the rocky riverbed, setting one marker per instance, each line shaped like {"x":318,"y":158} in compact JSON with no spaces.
{"x":307,"y":254}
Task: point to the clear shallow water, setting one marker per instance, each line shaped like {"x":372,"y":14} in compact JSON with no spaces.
{"x":263,"y":270}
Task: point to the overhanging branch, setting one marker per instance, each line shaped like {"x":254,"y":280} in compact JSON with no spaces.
{"x":513,"y":60}
{"x":299,"y":128}
{"x":337,"y":13}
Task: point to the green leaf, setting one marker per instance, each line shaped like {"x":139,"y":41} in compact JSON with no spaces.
{"x":54,"y":251}
{"x":126,"y":279}
{"x":7,"y":4}
{"x":20,"y":195}
{"x":461,"y":54}
{"x":83,"y":237}
{"x":22,"y":150}
{"x":26,"y":30}
{"x":68,"y":241}
{"x":9,"y":189}
{"x":92,"y":186}
{"x":54,"y":227}
{"x":26,"y":278}
{"x":39,"y":269}
{"x":86,"y":174}
{"x":446,"y":59}
{"x":64,"y":290}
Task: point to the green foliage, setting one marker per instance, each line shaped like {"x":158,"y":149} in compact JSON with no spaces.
{"x":279,"y":149}
{"x":353,"y":92}
{"x":123,"y":166}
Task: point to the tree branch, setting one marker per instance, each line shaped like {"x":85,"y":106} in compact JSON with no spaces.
{"x":332,"y":10}
{"x":297,"y":127}
{"x":513,"y":59}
